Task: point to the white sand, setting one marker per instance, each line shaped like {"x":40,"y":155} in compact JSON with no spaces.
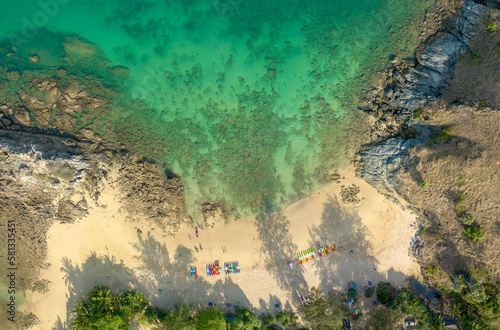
{"x":376,"y":230}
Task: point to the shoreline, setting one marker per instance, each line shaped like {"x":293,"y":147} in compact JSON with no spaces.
{"x":150,"y":261}
{"x":260,"y":274}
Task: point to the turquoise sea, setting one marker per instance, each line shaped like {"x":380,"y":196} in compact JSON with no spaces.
{"x":252,"y":103}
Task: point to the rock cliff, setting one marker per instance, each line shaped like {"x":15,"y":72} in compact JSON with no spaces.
{"x":408,"y":89}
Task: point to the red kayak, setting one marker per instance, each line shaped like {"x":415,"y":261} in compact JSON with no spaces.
{"x":196,"y":229}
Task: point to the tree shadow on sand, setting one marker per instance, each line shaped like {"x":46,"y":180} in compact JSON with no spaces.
{"x":279,"y":249}
{"x":171,"y":274}
{"x":345,"y":228}
{"x":80,"y":279}
{"x":164,"y":278}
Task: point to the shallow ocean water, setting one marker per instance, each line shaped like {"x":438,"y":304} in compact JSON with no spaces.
{"x":251,"y":102}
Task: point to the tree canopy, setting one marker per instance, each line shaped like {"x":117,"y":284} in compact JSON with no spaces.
{"x":323,"y":312}
{"x":384,"y":318}
{"x":180,"y":318}
{"x":102,"y":309}
{"x":209,"y":319}
{"x":245,"y":320}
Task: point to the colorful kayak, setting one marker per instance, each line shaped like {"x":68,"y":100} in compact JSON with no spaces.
{"x":238,"y":266}
{"x":196,"y":229}
{"x":208,"y":271}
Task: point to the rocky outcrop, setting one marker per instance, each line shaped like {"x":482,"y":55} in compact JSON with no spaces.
{"x":410,"y":89}
{"x":64,"y":168}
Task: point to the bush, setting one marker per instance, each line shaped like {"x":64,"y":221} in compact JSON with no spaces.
{"x":419,"y":113}
{"x":411,"y":305}
{"x":384,"y":318}
{"x":286,"y":319}
{"x":445,"y":135}
{"x":245,"y":320}
{"x":468,"y":219}
{"x":268,"y":320}
{"x":105,"y":310}
{"x":209,"y":319}
{"x":369,"y":292}
{"x":474,"y":233}
{"x":491,"y":27}
{"x":422,"y":185}
{"x":383,"y":296}
{"x":423,"y":232}
{"x":433,"y":271}
{"x":478,"y":292}
{"x":460,"y":197}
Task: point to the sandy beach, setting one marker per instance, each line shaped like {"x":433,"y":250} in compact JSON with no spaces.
{"x":105,"y":248}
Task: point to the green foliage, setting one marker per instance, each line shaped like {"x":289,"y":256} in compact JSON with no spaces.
{"x":478,"y":292}
{"x":459,"y":283}
{"x":285,"y":319}
{"x":422,"y":185}
{"x":463,"y":180}
{"x":475,"y":56}
{"x":474,"y":233}
{"x":180,"y":318}
{"x":497,"y":47}
{"x":481,"y":103}
{"x":491,"y":27}
{"x":268,"y":320}
{"x":468,"y":219}
{"x":484,"y":301}
{"x":471,"y":321}
{"x":245,"y":320}
{"x":385,"y":292}
{"x":105,"y":310}
{"x":445,"y":135}
{"x":384,"y":318}
{"x":461,"y":211}
{"x":132,"y":304}
{"x":460,"y":197}
{"x":433,"y":271}
{"x":418,"y":113}
{"x":411,"y":305}
{"x":209,"y":319}
{"x":323,"y":312}
{"x":383,"y":296}
{"x":479,"y":273}
{"x":423,"y":232}
{"x":369,"y":292}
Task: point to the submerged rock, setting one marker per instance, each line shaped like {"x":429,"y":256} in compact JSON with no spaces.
{"x":34,"y":58}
